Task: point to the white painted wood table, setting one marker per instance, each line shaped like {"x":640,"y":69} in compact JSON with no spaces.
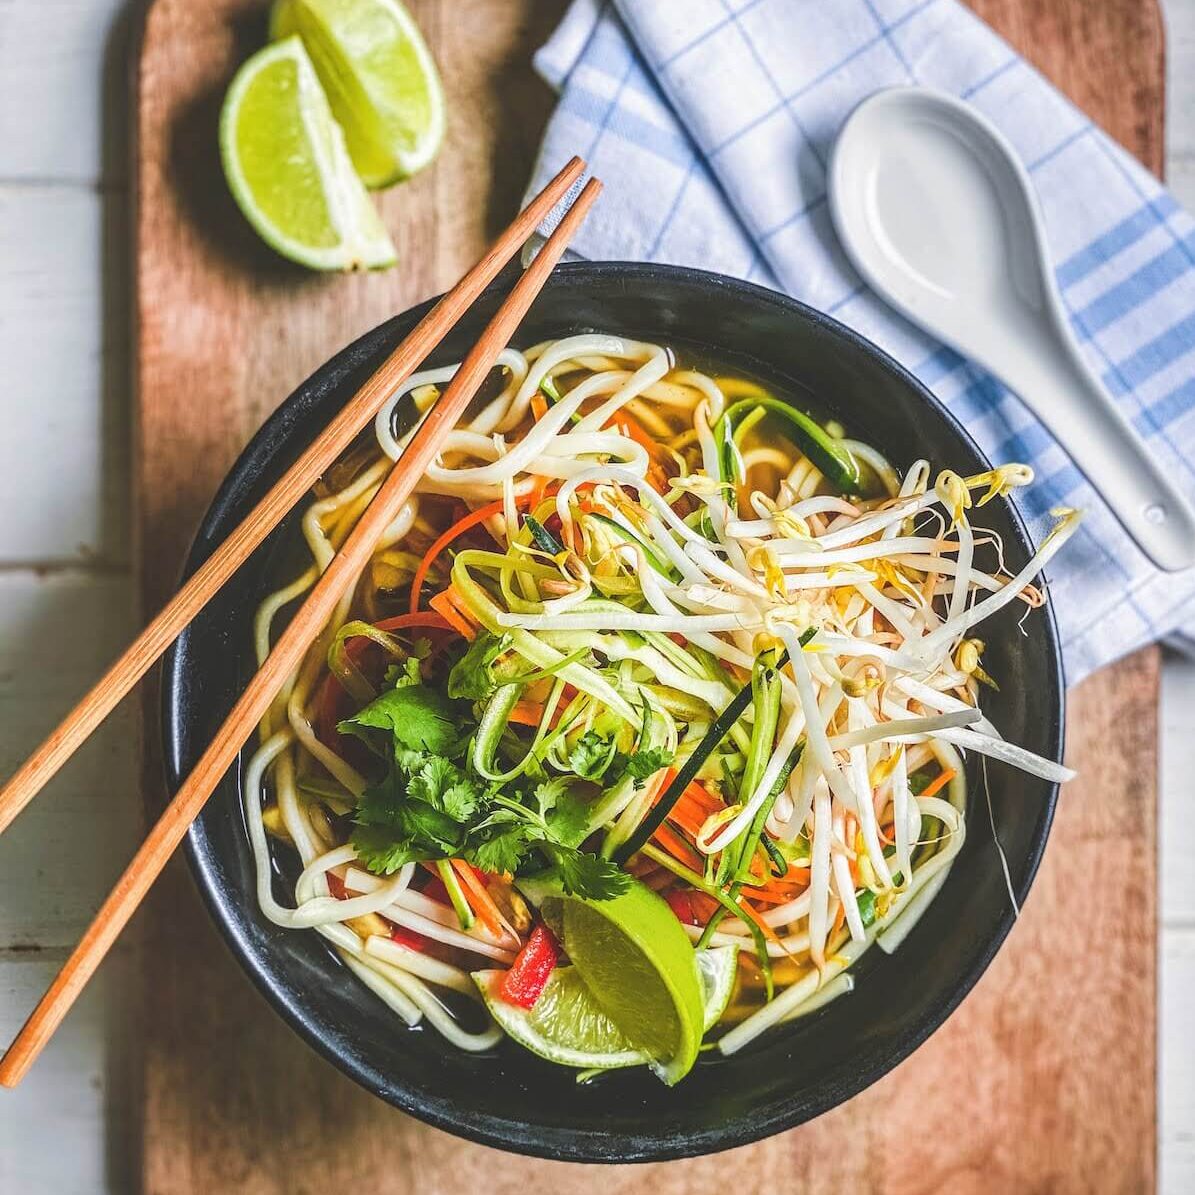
{"x":66,"y":596}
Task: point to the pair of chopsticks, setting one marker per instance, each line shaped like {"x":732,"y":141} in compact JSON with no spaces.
{"x":292,"y":645}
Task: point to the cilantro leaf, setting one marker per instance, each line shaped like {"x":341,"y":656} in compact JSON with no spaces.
{"x":591,"y":755}
{"x":399,"y":830}
{"x":568,"y":820}
{"x":589,"y":876}
{"x":460,"y":800}
{"x":441,"y":784}
{"x":548,"y":792}
{"x":642,"y":765}
{"x":418,"y":811}
{"x":504,"y":851}
{"x":472,"y":676}
{"x":379,"y":804}
{"x":427,"y":829}
{"x":430,"y":805}
{"x":500,"y":817}
{"x":401,"y":675}
{"x":379,"y":852}
{"x":417,"y":717}
{"x":514,"y":826}
{"x":424,"y":824}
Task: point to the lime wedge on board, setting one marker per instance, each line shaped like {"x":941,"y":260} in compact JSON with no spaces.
{"x":288,"y":169}
{"x":379,"y":78}
{"x":567,"y":1026}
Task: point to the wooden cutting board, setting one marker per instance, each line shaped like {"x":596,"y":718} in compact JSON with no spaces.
{"x":1043,"y":1080}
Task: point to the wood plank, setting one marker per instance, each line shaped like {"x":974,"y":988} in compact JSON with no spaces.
{"x":70,"y":1127}
{"x":1176,"y":1141}
{"x":66,"y":404}
{"x":1177,"y":878}
{"x":1176,"y":948}
{"x":53,"y":52}
{"x":60,"y":631}
{"x":1044,"y":1078}
{"x":67,"y":1129}
{"x":1180,"y":84}
{"x":1181,"y":178}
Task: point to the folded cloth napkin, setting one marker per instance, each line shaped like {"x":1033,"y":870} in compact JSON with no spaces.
{"x":711,"y":122}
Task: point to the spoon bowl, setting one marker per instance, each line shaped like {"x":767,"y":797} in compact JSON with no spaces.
{"x":940,"y":217}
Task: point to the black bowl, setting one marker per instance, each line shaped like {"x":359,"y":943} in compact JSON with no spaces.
{"x":507,"y":1097}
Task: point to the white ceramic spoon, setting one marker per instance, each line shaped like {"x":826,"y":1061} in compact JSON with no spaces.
{"x":940,"y":217}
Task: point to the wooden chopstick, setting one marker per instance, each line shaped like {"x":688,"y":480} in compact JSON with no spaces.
{"x":177,"y":614}
{"x":287,"y":654}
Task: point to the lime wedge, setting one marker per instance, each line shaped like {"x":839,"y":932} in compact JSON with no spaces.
{"x":644,"y":979}
{"x":567,"y":1026}
{"x":379,"y":78}
{"x":288,"y":169}
{"x":638,"y":964}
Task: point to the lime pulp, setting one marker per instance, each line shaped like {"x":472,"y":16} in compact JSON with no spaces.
{"x":288,"y":169}
{"x":379,"y":78}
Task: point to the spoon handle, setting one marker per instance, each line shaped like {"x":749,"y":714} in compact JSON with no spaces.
{"x":1050,"y":375}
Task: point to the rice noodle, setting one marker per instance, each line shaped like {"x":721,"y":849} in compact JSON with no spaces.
{"x":689,"y":543}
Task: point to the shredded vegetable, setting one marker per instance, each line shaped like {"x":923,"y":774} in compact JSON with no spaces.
{"x":638,"y":625}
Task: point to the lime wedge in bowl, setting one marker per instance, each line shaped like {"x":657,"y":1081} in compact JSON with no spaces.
{"x":567,"y":1026}
{"x":637,"y":968}
{"x":288,"y":169}
{"x":379,"y":77}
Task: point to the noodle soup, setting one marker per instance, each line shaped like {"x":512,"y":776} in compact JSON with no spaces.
{"x":652,"y":659}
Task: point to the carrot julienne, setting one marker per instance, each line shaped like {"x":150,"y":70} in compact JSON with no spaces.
{"x":480,"y":900}
{"x":691,"y":653}
{"x":677,"y":847}
{"x":447,"y":606}
{"x":471,"y":520}
{"x":939,"y":782}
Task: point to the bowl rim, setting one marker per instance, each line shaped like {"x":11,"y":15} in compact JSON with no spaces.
{"x":552,"y":1142}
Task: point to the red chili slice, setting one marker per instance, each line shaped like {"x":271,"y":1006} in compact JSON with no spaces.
{"x":407,"y":937}
{"x":680,"y":901}
{"x":524,"y":983}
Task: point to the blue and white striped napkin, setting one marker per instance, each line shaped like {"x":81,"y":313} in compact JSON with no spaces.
{"x":711,"y":121}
